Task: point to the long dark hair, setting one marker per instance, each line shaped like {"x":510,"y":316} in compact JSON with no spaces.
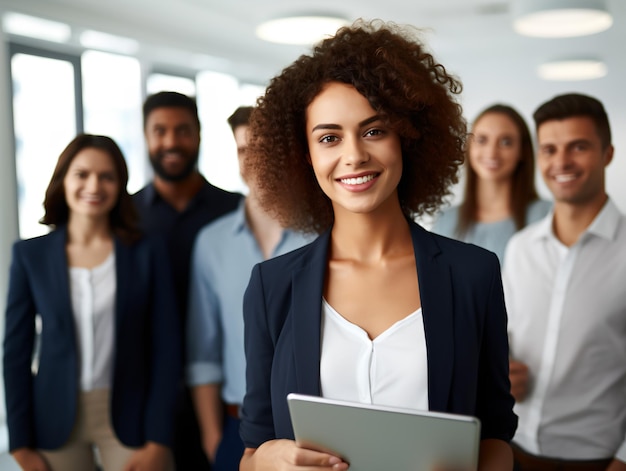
{"x":122,"y":218}
{"x":523,"y":191}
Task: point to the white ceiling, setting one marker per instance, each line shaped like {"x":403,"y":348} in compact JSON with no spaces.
{"x":472,"y":38}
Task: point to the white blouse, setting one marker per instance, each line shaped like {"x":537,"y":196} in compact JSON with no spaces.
{"x":93,"y":303}
{"x":390,"y":370}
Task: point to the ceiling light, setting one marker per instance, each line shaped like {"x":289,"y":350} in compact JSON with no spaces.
{"x":108,"y":42}
{"x":33,"y":27}
{"x":573,"y":69}
{"x":560,"y":18}
{"x":305,"y":29}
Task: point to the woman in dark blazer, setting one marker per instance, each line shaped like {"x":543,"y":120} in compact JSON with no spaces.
{"x":352,"y":142}
{"x":108,"y":361}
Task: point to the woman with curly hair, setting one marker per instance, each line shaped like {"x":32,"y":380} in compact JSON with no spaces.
{"x":500,"y":196}
{"x":353,"y":141}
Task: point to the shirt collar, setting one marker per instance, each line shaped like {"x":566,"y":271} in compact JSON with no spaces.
{"x":604,"y":225}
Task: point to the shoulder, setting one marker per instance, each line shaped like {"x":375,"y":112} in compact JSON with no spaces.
{"x":464,"y":255}
{"x":215,"y":193}
{"x":296,"y":259}
{"x":219,"y":226}
{"x":459,"y":258}
{"x":39,"y":243}
{"x":537,"y":210}
{"x":144,"y":195}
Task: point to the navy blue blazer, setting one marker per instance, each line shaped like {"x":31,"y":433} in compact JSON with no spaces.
{"x":41,"y":406}
{"x":464,"y":322}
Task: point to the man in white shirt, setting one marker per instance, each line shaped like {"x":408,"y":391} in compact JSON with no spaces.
{"x":565,"y":290}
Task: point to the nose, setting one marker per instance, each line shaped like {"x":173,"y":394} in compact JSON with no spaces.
{"x":490,"y":151}
{"x":355,"y":152}
{"x":92,"y":183}
{"x":169,"y":140}
{"x":561,"y":159}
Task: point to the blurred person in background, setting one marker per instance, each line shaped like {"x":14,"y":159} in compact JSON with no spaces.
{"x":564,"y":279}
{"x":176,"y":205}
{"x":105,"y":375}
{"x":224,"y":254}
{"x":500,"y":196}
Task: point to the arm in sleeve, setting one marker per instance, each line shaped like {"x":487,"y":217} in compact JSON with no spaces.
{"x":19,"y":337}
{"x":166,"y":353}
{"x":494,"y":400}
{"x":257,"y":424}
{"x":203,"y":336}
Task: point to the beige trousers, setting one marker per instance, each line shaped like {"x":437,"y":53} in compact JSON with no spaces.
{"x":92,"y":439}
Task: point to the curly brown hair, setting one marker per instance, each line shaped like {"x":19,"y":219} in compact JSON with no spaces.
{"x":403,"y":83}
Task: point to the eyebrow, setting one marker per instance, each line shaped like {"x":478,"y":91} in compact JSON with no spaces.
{"x":365,"y":122}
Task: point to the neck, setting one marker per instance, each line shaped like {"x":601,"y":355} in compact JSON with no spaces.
{"x":179,"y":193}
{"x":493,"y":200}
{"x":370,"y":237}
{"x":266,"y":229}
{"x":85,"y":231}
{"x":571,"y":220}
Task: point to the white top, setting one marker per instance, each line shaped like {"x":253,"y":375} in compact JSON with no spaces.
{"x":567,"y":322}
{"x":390,"y":370}
{"x":93,"y":304}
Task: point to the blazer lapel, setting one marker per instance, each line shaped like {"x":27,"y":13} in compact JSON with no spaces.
{"x":308,"y":288}
{"x":60,"y":279}
{"x":435,"y":285}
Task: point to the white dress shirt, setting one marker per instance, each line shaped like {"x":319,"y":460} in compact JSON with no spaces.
{"x":390,"y":370}
{"x":567,"y":322}
{"x":93,"y":303}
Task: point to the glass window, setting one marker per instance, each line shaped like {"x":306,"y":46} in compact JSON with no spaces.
{"x":218,"y":96}
{"x":112,"y":106}
{"x":44,"y":123}
{"x":173,"y":83}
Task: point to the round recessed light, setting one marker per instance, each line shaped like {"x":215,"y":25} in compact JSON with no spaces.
{"x":560,"y":18}
{"x":575,"y":69}
{"x":300,"y":29}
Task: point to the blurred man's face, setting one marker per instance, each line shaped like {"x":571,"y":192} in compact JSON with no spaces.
{"x":173,"y":140}
{"x":572,"y":159}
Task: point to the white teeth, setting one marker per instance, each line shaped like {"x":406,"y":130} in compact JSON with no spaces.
{"x":565,"y":178}
{"x":357,"y":180}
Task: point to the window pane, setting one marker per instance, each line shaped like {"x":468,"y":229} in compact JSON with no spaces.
{"x":218,"y":96}
{"x":171,"y":83}
{"x":112,"y":106}
{"x":45,"y":122}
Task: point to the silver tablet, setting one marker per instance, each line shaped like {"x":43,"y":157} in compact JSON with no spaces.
{"x":377,"y":438}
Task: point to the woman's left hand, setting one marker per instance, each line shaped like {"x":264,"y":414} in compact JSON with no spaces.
{"x":151,"y":457}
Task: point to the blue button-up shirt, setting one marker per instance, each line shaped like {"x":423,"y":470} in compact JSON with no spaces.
{"x":223,"y":256}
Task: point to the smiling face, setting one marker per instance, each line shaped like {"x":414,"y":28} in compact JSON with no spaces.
{"x":173,"y":140}
{"x":494,"y":150}
{"x":572,"y":160}
{"x":91,"y":184}
{"x":357,"y":159}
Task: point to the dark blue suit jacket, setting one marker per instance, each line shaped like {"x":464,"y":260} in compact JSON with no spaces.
{"x":464,"y":322}
{"x":41,"y":407}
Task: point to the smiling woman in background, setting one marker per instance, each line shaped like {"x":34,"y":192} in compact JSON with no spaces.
{"x":110,"y":356}
{"x":500,"y":196}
